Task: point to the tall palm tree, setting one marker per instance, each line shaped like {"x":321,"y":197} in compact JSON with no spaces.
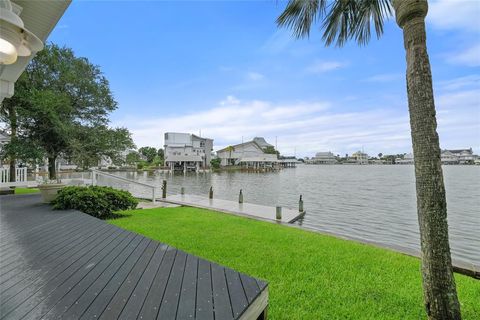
{"x":230,"y":149}
{"x":344,"y":20}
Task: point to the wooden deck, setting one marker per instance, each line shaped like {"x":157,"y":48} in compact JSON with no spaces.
{"x":68,"y":265}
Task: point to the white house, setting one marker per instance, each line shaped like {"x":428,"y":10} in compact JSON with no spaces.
{"x":322,"y":158}
{"x":185,"y":151}
{"x":360,"y":157}
{"x":460,"y":156}
{"x":250,"y":154}
{"x":407,"y":159}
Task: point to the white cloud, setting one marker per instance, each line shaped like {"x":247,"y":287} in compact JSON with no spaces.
{"x":469,"y":57}
{"x":255,"y":76}
{"x":325,"y":66}
{"x":277,"y":43}
{"x":467,"y":82}
{"x":309,"y":127}
{"x":385,"y":77}
{"x":455,"y":14}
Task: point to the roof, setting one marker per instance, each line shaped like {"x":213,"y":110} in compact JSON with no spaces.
{"x":458,"y":150}
{"x":261,"y":142}
{"x":242,"y":144}
{"x":322,"y":154}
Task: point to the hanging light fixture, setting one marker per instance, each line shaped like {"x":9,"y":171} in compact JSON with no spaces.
{"x":15,"y":40}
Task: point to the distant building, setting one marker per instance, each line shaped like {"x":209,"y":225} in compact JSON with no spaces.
{"x":360,"y":157}
{"x":322,"y":158}
{"x":187,"y":152}
{"x":249,"y":154}
{"x":407,"y":159}
{"x":459,"y":156}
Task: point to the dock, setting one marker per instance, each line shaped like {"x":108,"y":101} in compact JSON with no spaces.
{"x":69,"y":265}
{"x":251,"y":210}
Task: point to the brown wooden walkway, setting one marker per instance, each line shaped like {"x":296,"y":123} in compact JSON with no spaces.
{"x":68,"y":265}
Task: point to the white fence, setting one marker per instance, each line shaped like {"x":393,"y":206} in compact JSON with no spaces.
{"x":132,"y":186}
{"x":20,"y":177}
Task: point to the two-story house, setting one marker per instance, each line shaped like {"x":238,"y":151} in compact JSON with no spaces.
{"x":187,"y":152}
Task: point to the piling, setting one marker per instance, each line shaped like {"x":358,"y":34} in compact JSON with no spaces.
{"x":240,"y":197}
{"x":164,"y":189}
{"x":279,"y":213}
{"x":210,"y":193}
{"x":300,"y":204}
{"x":182,"y":190}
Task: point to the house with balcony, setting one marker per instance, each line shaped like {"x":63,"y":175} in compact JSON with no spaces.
{"x":250,"y":154}
{"x":457,"y":156}
{"x":360,"y":157}
{"x":187,"y":152}
{"x":323,"y":158}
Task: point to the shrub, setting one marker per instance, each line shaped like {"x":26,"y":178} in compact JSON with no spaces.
{"x":215,"y":163}
{"x":100,"y":202}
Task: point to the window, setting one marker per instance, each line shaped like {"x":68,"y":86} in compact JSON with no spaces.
{"x":202,"y":144}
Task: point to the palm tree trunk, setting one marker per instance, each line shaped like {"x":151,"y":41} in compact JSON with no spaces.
{"x":440,"y":295}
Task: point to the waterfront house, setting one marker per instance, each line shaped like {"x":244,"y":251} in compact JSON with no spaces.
{"x":360,"y":157}
{"x":187,"y":152}
{"x":407,"y":159}
{"x":250,"y":154}
{"x":458,"y":156}
{"x":448,"y":157}
{"x":322,"y":158}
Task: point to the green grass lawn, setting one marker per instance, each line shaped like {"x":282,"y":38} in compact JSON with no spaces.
{"x":26,"y":190}
{"x":311,"y":276}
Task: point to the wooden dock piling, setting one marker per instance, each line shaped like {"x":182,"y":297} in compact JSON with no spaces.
{"x":278,"y":211}
{"x":164,"y":189}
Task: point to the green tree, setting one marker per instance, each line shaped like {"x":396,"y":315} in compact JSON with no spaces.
{"x":271,"y":150}
{"x":215,"y":163}
{"x":57,"y":95}
{"x":90,"y":144}
{"x":230,"y":149}
{"x":344,"y":20}
{"x":132,"y":158}
{"x":149,"y":152}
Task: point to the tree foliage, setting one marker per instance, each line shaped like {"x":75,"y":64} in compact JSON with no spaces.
{"x":149,"y":152}
{"x":270,"y":150}
{"x":61,"y":105}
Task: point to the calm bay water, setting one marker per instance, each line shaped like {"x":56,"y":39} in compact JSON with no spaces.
{"x":372,"y":203}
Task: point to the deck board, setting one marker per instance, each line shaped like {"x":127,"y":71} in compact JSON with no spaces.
{"x":68,"y":265}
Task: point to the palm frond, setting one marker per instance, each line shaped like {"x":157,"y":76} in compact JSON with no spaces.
{"x":341,"y":20}
{"x":299,"y":15}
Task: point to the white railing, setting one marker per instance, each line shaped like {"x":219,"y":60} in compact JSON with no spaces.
{"x":97,"y":173}
{"x":20,"y":176}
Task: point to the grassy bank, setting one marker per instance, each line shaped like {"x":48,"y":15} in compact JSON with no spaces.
{"x":26,"y":190}
{"x":311,"y":276}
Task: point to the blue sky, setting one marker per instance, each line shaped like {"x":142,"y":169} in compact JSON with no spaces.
{"x":223,"y":67}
